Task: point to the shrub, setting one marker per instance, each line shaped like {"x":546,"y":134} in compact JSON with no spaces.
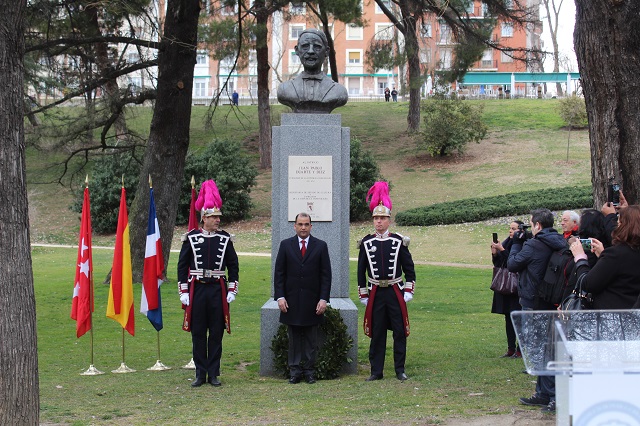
{"x":477,"y":209}
{"x":221,"y":161}
{"x":450,"y":124}
{"x":364,"y":173}
{"x":224,"y":162}
{"x":335,"y":344}
{"x":573,"y":111}
{"x":105,"y":184}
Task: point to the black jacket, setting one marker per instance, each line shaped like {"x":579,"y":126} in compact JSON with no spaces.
{"x":614,"y":281}
{"x":530,"y":260}
{"x":302,"y":282}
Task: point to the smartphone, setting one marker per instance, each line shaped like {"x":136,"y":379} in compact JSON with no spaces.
{"x":586,"y":244}
{"x":495,"y":237}
{"x":613,"y":195}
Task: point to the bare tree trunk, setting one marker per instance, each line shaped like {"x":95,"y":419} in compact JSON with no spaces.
{"x":20,"y":402}
{"x":413,"y":59}
{"x":609,"y":64}
{"x":166,"y":151}
{"x":553,"y":13}
{"x":264,"y":109}
{"x":105,"y":67}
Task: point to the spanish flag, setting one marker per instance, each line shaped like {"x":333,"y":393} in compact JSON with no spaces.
{"x":120,"y":304}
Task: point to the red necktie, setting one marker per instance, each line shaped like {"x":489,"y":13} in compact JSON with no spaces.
{"x":303,"y":249}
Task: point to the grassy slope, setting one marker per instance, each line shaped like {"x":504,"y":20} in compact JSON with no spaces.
{"x":525,"y":148}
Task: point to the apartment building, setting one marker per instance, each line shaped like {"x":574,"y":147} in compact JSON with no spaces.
{"x":351,"y":42}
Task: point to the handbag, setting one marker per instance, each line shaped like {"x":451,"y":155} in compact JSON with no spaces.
{"x":504,"y":282}
{"x":579,"y":299}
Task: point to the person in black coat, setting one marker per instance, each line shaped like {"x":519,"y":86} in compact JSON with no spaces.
{"x":506,"y":303}
{"x":614,"y":280}
{"x":302,"y":285}
{"x":529,"y":257}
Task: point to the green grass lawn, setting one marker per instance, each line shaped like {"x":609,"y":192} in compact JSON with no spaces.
{"x":455,"y":342}
{"x":453,"y":359}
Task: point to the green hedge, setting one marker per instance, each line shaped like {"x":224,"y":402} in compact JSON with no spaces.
{"x":478,"y":209}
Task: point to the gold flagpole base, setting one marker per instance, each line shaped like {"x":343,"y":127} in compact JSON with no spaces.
{"x":190,"y":365}
{"x":123,"y":369}
{"x":91,"y":371}
{"x":159,"y":366}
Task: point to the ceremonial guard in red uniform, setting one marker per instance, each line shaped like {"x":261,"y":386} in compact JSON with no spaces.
{"x":203,"y":286}
{"x":383,"y":257}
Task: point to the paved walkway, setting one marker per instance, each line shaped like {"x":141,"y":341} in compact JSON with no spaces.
{"x":352,"y":259}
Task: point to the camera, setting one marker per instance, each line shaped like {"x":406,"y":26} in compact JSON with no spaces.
{"x":586,"y":243}
{"x":523,"y":232}
{"x":613,"y":193}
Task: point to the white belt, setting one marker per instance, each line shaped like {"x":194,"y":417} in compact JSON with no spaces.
{"x":384,"y":283}
{"x":207,"y":273}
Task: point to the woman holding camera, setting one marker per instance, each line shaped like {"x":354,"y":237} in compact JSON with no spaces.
{"x":506,"y":303}
{"x":614,"y":280}
{"x":592,"y":228}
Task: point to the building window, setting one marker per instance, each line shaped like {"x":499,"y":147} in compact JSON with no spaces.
{"x":469,"y":6}
{"x":506,"y":30}
{"x":384,"y":31}
{"x":201,"y":58}
{"x":354,"y":85}
{"x":226,"y":65}
{"x":354,"y":32}
{"x":297,"y":8}
{"x":387,"y":4}
{"x":200,"y":89}
{"x":136,"y":82}
{"x":133,"y":57}
{"x":487,"y":58}
{"x":354,"y":58}
{"x":425,"y":30}
{"x":505,"y":58}
{"x":294,"y":59}
{"x":445,"y":58}
{"x":321,"y":28}
{"x":425,"y":56}
{"x":381,"y":86}
{"x":445,"y":34}
{"x":294,"y":31}
{"x":229,"y":10}
{"x":253,"y":62}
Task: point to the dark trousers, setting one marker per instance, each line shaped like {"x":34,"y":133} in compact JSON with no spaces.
{"x":302,"y":349}
{"x":545,"y":385}
{"x":385,"y":315}
{"x":207,"y":316}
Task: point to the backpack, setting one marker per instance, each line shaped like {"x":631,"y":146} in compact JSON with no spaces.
{"x":556,"y":276}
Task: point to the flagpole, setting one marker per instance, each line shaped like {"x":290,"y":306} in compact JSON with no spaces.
{"x":92,"y":370}
{"x":190,"y":365}
{"x":158,"y":366}
{"x":123,"y":367}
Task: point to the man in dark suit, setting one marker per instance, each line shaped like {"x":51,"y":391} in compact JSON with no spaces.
{"x":312,"y":91}
{"x":302,"y":285}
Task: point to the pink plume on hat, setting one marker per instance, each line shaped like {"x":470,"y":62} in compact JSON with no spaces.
{"x":209,"y":196}
{"x":379,"y":194}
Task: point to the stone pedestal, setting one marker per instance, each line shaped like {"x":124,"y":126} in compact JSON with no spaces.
{"x":312,"y":135}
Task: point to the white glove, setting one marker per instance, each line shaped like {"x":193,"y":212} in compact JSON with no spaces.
{"x":184,"y":298}
{"x":231,"y":297}
{"x":408,"y":296}
{"x":364,"y":301}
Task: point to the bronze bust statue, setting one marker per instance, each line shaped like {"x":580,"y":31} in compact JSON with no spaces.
{"x":312,"y":91}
